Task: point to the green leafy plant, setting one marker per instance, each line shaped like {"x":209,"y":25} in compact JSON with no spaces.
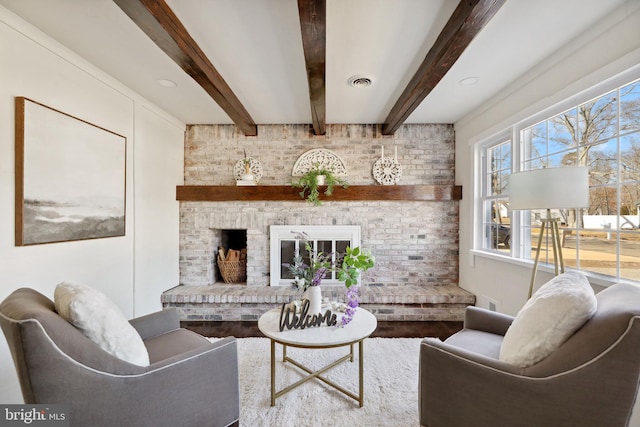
{"x":354,"y":262}
{"x":309,"y":184}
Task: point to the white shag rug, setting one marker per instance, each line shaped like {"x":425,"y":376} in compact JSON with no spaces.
{"x":390,"y":386}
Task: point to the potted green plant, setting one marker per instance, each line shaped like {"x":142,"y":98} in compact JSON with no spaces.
{"x":316,"y":177}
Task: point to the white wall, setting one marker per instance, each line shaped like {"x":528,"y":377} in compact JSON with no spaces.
{"x":132,"y":270}
{"x":159,"y":151}
{"x":604,"y":51}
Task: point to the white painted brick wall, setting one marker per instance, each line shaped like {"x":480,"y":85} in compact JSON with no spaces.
{"x":413,"y":242}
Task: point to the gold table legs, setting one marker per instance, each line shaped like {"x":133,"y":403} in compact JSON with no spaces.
{"x":318,"y":374}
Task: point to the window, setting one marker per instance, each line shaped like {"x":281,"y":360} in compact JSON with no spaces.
{"x":496,"y":167}
{"x":603,"y":134}
{"x":326,"y":239}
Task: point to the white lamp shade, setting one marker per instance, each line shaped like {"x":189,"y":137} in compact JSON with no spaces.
{"x":550,"y":188}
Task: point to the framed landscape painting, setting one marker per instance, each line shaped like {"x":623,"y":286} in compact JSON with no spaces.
{"x":70,"y":177}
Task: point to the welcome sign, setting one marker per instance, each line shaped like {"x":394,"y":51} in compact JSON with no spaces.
{"x":290,"y":319}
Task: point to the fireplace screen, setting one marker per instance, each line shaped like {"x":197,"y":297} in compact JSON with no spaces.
{"x":326,"y":239}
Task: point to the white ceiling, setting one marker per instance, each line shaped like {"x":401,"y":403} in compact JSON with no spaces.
{"x":257,"y":48}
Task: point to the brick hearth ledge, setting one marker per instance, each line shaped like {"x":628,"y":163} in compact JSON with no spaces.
{"x":387,"y":302}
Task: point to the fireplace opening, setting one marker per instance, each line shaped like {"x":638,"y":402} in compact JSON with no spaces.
{"x":231,"y":260}
{"x":233,"y":239}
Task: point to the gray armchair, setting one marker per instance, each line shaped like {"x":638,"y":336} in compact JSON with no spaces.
{"x":190,"y":381}
{"x":590,"y":381}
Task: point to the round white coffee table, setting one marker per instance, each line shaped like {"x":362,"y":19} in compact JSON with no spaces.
{"x":361,"y":327}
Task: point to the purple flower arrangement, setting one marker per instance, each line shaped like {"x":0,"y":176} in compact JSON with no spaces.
{"x":352,"y":305}
{"x":310,"y":274}
{"x":347,"y":266}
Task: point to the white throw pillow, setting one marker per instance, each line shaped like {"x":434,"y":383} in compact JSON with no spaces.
{"x":558,"y":309}
{"x":100,"y":320}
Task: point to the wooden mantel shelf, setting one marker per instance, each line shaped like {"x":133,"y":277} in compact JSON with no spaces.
{"x":220,"y":193}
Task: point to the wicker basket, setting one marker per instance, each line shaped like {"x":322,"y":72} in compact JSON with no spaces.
{"x":233,"y":271}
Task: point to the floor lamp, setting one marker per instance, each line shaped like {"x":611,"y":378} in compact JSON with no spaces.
{"x":550,"y":188}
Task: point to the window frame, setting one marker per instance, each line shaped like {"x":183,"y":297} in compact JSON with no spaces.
{"x":482,"y":238}
{"x":520,"y":219}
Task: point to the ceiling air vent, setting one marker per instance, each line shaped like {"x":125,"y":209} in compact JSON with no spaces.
{"x":360,"y":81}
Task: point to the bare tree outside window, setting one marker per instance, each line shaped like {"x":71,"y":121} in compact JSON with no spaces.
{"x":604,"y":135}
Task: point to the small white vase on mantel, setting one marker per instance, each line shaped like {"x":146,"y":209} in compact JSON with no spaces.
{"x":314,"y":295}
{"x":321,"y":179}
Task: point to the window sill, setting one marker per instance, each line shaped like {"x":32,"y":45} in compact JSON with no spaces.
{"x":594,"y":278}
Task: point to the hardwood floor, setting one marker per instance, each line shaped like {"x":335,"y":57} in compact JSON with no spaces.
{"x":397,"y":329}
{"x":442,"y":330}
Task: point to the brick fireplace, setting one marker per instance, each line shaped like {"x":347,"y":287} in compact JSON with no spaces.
{"x":415,"y":242}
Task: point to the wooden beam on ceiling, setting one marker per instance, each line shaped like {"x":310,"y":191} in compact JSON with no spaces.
{"x":465,"y":23}
{"x":314,"y":42}
{"x":158,"y":21}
